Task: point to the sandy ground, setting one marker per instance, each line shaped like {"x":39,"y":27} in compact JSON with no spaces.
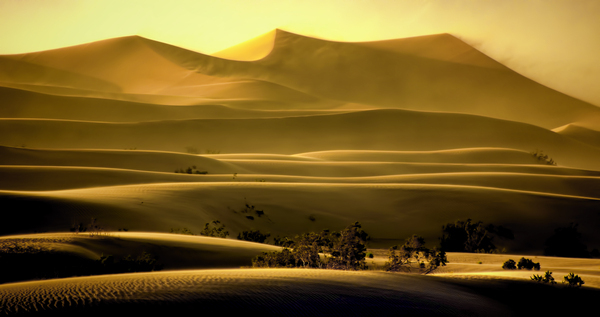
{"x":402,"y":135}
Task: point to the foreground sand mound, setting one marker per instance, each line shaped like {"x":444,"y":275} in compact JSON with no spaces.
{"x":270,"y":291}
{"x":290,"y":292}
{"x":173,"y":251}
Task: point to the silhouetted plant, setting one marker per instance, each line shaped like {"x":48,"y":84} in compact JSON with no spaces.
{"x":190,"y":170}
{"x":283,"y":242}
{"x":343,"y":250}
{"x":183,"y":230}
{"x":253,"y":235}
{"x":471,"y":236}
{"x":217,"y":229}
{"x":547,"y":278}
{"x":573,"y":280}
{"x":414,"y":254}
{"x":191,"y":150}
{"x":566,"y":242}
{"x":510,"y":265}
{"x":285,"y":258}
{"x":543,"y":157}
{"x":527,"y":264}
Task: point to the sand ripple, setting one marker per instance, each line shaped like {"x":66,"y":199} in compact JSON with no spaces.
{"x":274,"y":291}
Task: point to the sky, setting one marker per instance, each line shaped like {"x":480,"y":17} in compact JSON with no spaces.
{"x":555,"y":42}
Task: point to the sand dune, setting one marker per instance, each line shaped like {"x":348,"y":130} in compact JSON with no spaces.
{"x":582,"y":134}
{"x":389,"y":211}
{"x":377,"y":130}
{"x":174,"y":251}
{"x":25,"y":104}
{"x":44,"y":179}
{"x":312,"y":69}
{"x":273,"y":292}
{"x":402,"y":135}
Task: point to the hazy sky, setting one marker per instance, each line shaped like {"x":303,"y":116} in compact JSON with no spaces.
{"x":555,"y":42}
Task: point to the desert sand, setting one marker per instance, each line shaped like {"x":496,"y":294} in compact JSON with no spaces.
{"x":402,"y":135}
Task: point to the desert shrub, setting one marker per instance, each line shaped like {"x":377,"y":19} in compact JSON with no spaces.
{"x":191,"y":150}
{"x":283,"y":242}
{"x":344,"y":250}
{"x":414,"y":254}
{"x":573,"y":280}
{"x":347,"y":248}
{"x":146,"y":262}
{"x":471,"y":236}
{"x":547,"y":278}
{"x":566,"y":241}
{"x":253,"y":235}
{"x":510,"y":265}
{"x":183,"y":230}
{"x":285,"y":258}
{"x":190,"y":170}
{"x":543,"y":157}
{"x":527,"y":264}
{"x":217,"y":229}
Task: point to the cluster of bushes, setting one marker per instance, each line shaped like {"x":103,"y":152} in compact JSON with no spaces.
{"x":253,"y":236}
{"x":469,"y":236}
{"x":567,"y":242}
{"x":414,"y":253}
{"x":524,"y":264}
{"x":341,"y":250}
{"x":346,"y":250}
{"x":570,"y":280}
{"x":249,"y":210}
{"x":190,"y":170}
{"x":211,"y":229}
{"x":543,"y":157}
{"x":108,"y":264}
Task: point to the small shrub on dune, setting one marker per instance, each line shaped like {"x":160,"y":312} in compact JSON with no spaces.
{"x":573,"y":280}
{"x":183,"y":230}
{"x":527,"y":264}
{"x":547,"y":278}
{"x":253,"y":235}
{"x":216,"y":229}
{"x":510,"y":265}
{"x":413,"y":254}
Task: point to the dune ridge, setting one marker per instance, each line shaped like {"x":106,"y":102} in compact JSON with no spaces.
{"x":402,"y":135}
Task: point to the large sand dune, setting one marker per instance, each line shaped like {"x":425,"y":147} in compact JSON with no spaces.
{"x":363,"y":130}
{"x":402,"y":135}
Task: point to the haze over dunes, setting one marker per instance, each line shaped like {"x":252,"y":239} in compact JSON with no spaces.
{"x":401,"y":135}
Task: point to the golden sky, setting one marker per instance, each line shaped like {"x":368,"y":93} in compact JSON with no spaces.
{"x":555,"y":42}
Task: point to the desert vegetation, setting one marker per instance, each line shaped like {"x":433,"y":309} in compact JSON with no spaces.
{"x":414,"y":255}
{"x":469,"y":236}
{"x":542,"y":157}
{"x":253,"y":235}
{"x":523,"y":264}
{"x":190,"y":170}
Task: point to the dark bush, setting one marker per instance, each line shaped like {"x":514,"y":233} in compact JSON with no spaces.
{"x":510,"y":265}
{"x":253,"y":235}
{"x":471,"y":236}
{"x":547,"y":278}
{"x":527,"y":264}
{"x":414,"y":254}
{"x":573,"y":280}
{"x":217,"y":229}
{"x":566,"y":242}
